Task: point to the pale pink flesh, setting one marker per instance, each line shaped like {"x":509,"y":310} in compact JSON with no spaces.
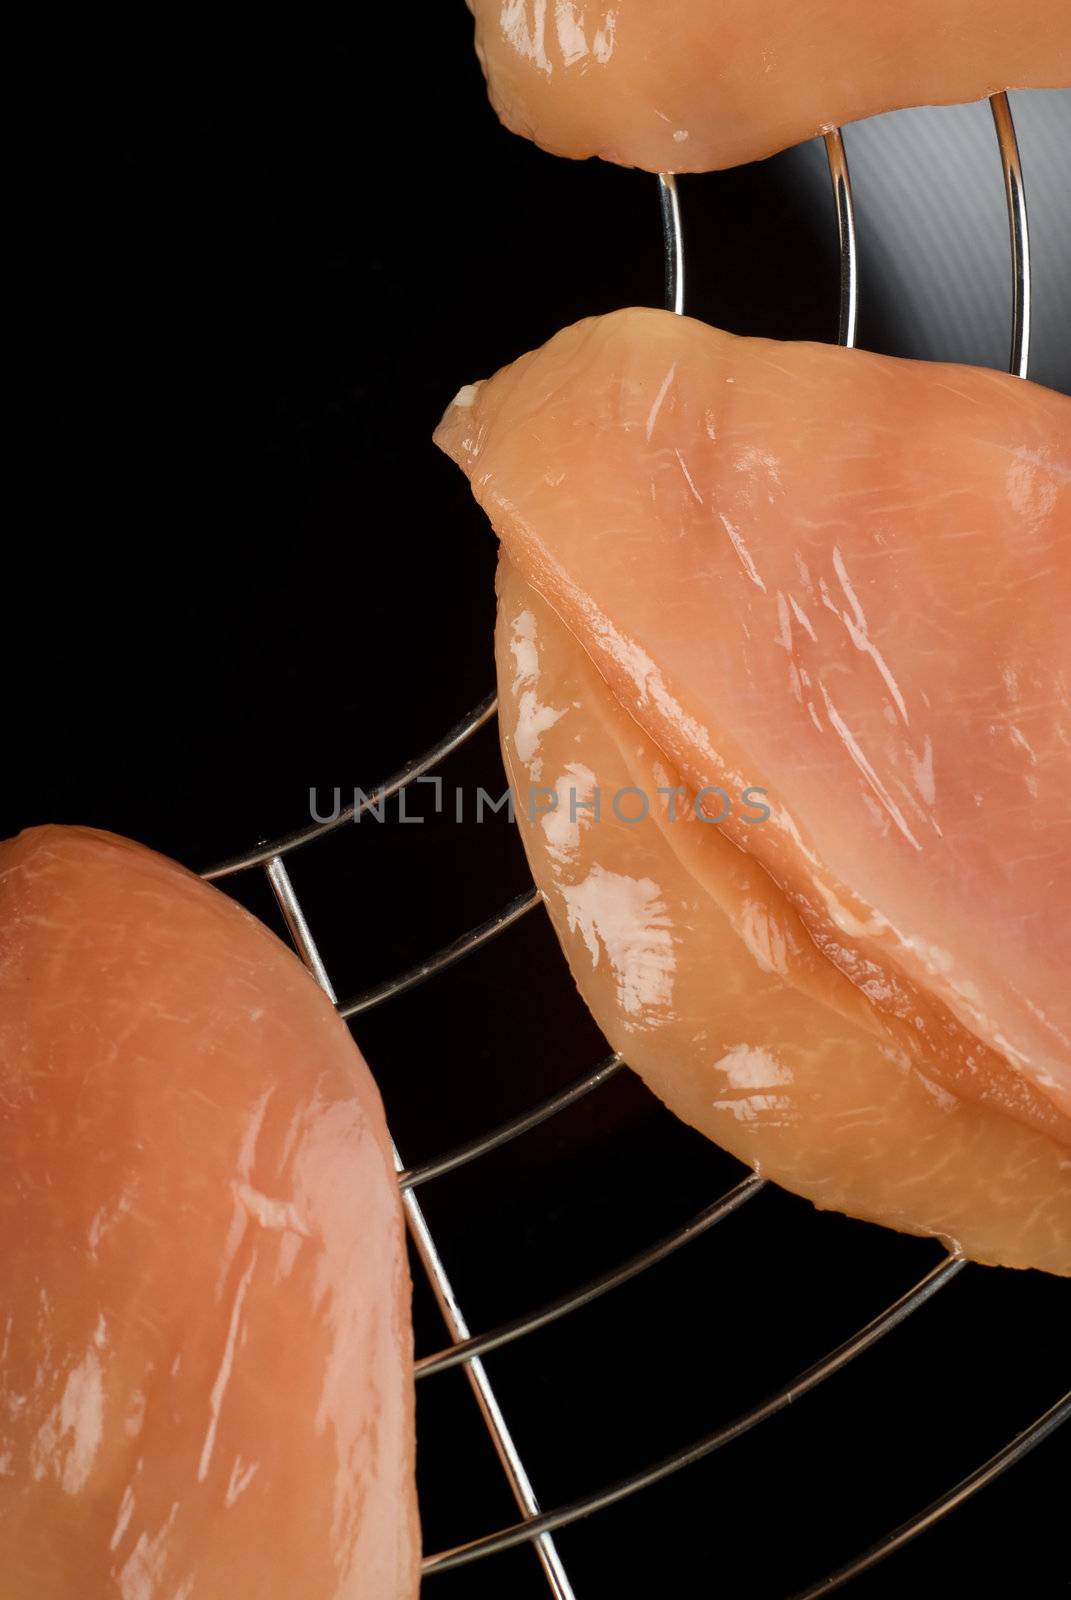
{"x":843,"y":579}
{"x":206,"y":1382}
{"x":701,"y":974}
{"x":691,"y":85}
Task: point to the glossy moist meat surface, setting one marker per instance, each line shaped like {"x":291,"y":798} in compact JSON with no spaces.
{"x":205,"y":1348}
{"x":843,"y":580}
{"x":690,"y":85}
{"x":700,"y":973}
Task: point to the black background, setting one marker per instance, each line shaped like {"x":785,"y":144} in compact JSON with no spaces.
{"x":257,"y":274}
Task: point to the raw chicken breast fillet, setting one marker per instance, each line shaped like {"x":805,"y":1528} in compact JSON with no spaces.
{"x":205,"y":1348}
{"x":699,"y":972}
{"x":841,"y":580}
{"x":690,"y":85}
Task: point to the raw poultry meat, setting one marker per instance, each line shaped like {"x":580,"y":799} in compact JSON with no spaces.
{"x":205,"y":1350}
{"x":690,"y":85}
{"x":698,"y":971}
{"x":843,"y":581}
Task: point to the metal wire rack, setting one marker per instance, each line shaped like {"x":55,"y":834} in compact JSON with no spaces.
{"x":535,"y":1525}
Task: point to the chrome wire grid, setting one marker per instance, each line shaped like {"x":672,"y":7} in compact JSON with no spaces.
{"x":535,"y":1525}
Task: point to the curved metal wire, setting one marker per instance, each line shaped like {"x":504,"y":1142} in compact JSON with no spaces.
{"x":673,"y":242}
{"x":549,"y":1521}
{"x":506,"y":1131}
{"x":1019,"y":232}
{"x":468,"y":942}
{"x":844,"y":203}
{"x":1012,"y":1452}
{"x":262,"y":854}
{"x":508,"y":1331}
